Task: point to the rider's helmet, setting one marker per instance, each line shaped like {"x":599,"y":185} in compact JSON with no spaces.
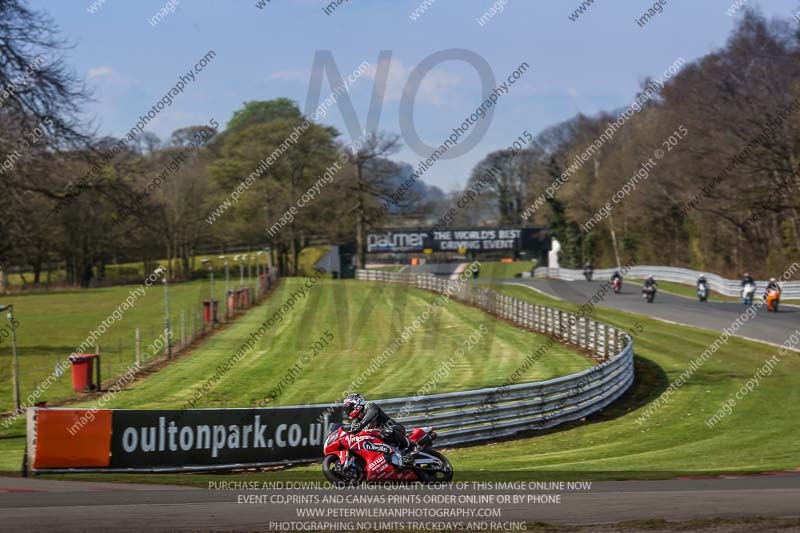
{"x":702,"y":277}
{"x":651,"y":278}
{"x":354,"y":405}
{"x":772,"y":280}
{"x":747,"y":274}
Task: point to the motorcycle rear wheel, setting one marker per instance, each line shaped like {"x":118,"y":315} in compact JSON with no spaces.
{"x":331,"y":468}
{"x":440,"y":475}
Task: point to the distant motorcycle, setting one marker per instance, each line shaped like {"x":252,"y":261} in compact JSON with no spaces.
{"x":702,"y":292}
{"x":649,"y":293}
{"x":773,"y":298}
{"x":587,"y":273}
{"x":616,"y":283}
{"x":748,"y":291}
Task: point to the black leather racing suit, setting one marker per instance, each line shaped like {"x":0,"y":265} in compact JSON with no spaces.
{"x":375,"y":418}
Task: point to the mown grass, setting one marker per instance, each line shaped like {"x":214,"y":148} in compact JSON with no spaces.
{"x":499,"y":270}
{"x":364,"y":319}
{"x":52,"y":325}
{"x":759,"y":435}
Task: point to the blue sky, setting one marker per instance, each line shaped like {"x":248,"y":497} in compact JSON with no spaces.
{"x":595,"y":63}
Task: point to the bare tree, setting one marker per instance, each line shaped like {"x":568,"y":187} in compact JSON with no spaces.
{"x":372,"y":182}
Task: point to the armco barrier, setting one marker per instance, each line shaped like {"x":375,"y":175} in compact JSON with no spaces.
{"x":727,"y":287}
{"x":206,"y":439}
{"x":494,"y":412}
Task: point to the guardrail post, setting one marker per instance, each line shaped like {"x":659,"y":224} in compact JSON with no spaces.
{"x":183,"y":329}
{"x":138,"y":348}
{"x":612,"y":342}
{"x":594,"y":337}
{"x":604,"y":339}
{"x":573,"y":328}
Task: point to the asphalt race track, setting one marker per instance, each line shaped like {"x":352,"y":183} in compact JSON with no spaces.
{"x":773,"y":328}
{"x":46,"y":505}
{"x":769,"y":327}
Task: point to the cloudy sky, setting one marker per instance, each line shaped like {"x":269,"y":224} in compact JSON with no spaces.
{"x":594,"y":63}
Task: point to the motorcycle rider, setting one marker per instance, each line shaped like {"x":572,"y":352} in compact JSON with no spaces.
{"x":588,"y":271}
{"x":616,"y":276}
{"x":773,"y":284}
{"x":702,"y":285}
{"x":650,"y":282}
{"x":747,"y":279}
{"x":368,"y":415}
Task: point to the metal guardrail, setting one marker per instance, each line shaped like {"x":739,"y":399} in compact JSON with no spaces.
{"x":726,"y":287}
{"x":495,"y":412}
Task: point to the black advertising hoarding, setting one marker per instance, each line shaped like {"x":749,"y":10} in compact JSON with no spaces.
{"x":210,"y":437}
{"x":454,"y":240}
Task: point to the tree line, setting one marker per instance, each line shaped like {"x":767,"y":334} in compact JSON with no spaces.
{"x":723,"y":198}
{"x":72,"y":199}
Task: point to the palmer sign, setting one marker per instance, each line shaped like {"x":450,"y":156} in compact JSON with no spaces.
{"x":472,"y":239}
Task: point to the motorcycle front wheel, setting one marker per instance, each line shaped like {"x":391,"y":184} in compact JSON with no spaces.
{"x":332,"y":470}
{"x":443,"y":474}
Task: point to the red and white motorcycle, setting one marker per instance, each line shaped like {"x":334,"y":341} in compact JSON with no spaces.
{"x":355,"y":458}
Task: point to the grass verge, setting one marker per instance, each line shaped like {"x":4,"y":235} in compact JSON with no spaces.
{"x":363,"y":319}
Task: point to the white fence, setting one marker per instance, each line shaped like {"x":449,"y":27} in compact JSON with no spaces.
{"x":727,"y":287}
{"x":495,"y":412}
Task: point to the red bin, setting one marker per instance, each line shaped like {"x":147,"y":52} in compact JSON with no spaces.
{"x":82,"y":366}
{"x":210,"y":311}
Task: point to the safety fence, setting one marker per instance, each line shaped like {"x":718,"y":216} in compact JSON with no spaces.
{"x":495,"y":412}
{"x":726,"y":287}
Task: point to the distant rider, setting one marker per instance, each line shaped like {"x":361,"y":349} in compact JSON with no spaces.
{"x":650,"y":282}
{"x":616,"y":276}
{"x":588,"y":271}
{"x":773,"y":284}
{"x":367,"y":415}
{"x":747,"y":278}
{"x":702,"y":283}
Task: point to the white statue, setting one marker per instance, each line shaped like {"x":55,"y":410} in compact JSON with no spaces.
{"x":552,"y":258}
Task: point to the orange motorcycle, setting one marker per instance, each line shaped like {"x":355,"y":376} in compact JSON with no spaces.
{"x":773,"y":298}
